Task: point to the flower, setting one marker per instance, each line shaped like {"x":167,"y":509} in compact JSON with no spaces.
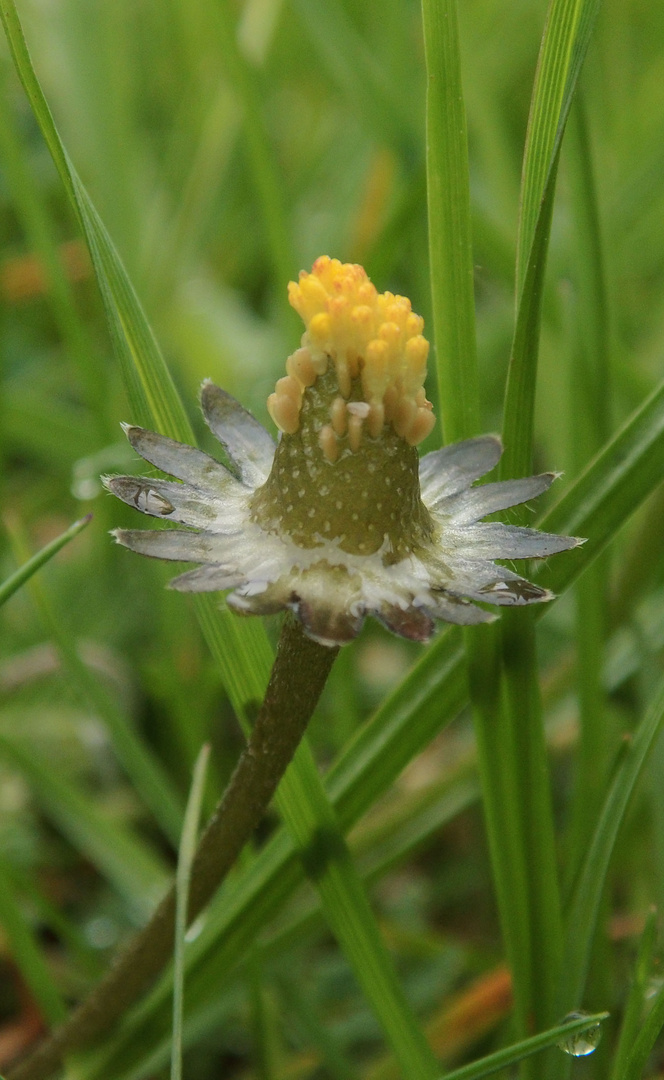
{"x":341,"y":518}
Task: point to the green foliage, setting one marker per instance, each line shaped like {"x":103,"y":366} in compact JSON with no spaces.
{"x":201,"y":159}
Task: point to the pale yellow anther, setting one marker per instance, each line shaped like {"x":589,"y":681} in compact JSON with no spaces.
{"x":398,"y":311}
{"x":367,"y":293}
{"x":390,"y":332}
{"x":362,"y":317}
{"x":284,"y":412}
{"x":290,"y":388}
{"x":328,"y":443}
{"x":421,"y":426}
{"x":344,"y":377}
{"x":376,"y":353}
{"x":355,"y":432}
{"x":338,"y":415}
{"x":313,"y":292}
{"x":404,"y":416}
{"x":376,"y":374}
{"x":319,"y":360}
{"x":320,"y":327}
{"x":301,"y":367}
{"x":414,"y":324}
{"x":337,"y":307}
{"x":417,"y":351}
{"x":308,"y":297}
{"x":376,"y":419}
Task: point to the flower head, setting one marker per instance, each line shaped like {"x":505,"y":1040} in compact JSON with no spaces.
{"x":341,"y":518}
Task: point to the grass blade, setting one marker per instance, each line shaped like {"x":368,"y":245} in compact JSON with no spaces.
{"x":608,"y":491}
{"x":126,"y":862}
{"x":146,"y":772}
{"x":152,"y":394}
{"x":582,"y":915}
{"x":37,"y":225}
{"x":637,"y":996}
{"x":183,"y":875}
{"x":450,"y":244}
{"x":330,"y":865}
{"x":267,"y":181}
{"x":645,"y":1040}
{"x":590,"y":386}
{"x":520,"y":798}
{"x":513,"y":1054}
{"x":564,"y":46}
{"x":358,"y":73}
{"x":30,"y":567}
{"x":336,"y":1063}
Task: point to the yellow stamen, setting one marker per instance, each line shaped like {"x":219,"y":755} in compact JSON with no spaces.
{"x":328,"y":443}
{"x":373,"y":336}
{"x":338,"y":415}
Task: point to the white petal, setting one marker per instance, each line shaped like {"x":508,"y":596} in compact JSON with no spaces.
{"x":177,"y":545}
{"x":494,"y":540}
{"x":208,"y":578}
{"x":453,"y":609}
{"x":477,"y":502}
{"x":450,"y":470}
{"x":177,"y":502}
{"x":178,"y":459}
{"x":247,"y":443}
{"x":483,"y":580}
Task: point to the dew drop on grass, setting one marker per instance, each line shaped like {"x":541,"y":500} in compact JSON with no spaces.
{"x":580,"y":1043}
{"x":151,"y":502}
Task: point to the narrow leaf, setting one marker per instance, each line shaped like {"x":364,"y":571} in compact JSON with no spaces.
{"x":25,"y":572}
{"x":450,"y":244}
{"x":564,"y":46}
{"x":637,"y":996}
{"x":645,"y":1040}
{"x":183,"y":876}
{"x":584,"y":908}
{"x":513,"y":1054}
{"x":124,"y":860}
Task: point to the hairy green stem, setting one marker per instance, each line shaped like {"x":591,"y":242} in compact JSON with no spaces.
{"x":300,"y":670}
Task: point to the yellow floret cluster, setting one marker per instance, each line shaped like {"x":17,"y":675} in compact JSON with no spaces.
{"x":371,"y":336}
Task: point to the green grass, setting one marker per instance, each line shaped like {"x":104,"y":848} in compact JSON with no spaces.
{"x":203,"y":154}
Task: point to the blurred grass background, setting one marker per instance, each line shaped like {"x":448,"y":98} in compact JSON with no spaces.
{"x":225,"y":147}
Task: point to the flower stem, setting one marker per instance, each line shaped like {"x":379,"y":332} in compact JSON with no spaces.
{"x":299,"y":673}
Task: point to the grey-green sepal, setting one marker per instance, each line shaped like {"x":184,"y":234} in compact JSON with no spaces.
{"x":247,"y":443}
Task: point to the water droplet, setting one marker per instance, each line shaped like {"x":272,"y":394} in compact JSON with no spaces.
{"x":580,"y":1043}
{"x":654,"y":986}
{"x":151,"y":502}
